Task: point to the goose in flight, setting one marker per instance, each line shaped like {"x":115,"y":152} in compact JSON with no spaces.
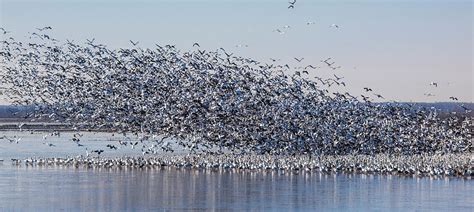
{"x":311,"y":66}
{"x":274,"y":60}
{"x":228,"y":55}
{"x":379,"y":96}
{"x":335,"y":26}
{"x":327,"y":61}
{"x":338,"y":78}
{"x":37,"y":35}
{"x":365,"y":98}
{"x":279,"y":31}
{"x":133,"y":144}
{"x":299,"y":59}
{"x":434,"y":84}
{"x":99,"y":151}
{"x":44,"y":28}
{"x":11,"y":140}
{"x":49,"y":144}
{"x":367,"y":89}
{"x":134,"y":43}
{"x":4,"y":31}
{"x":196,"y":44}
{"x":20,"y":126}
{"x":292,"y":4}
{"x":453,"y":98}
{"x":110,"y":146}
{"x":90,"y":42}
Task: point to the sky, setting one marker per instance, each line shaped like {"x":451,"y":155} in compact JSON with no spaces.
{"x":394,"y":47}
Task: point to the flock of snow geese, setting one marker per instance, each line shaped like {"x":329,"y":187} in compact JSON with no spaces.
{"x":214,"y":102}
{"x":231,"y":111}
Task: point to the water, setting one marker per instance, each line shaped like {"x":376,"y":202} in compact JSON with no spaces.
{"x":61,"y":188}
{"x":35,"y":144}
{"x":55,"y":188}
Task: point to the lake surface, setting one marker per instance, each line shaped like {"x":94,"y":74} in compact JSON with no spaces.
{"x":62,"y":188}
{"x":35,"y":144}
{"x":56,"y":188}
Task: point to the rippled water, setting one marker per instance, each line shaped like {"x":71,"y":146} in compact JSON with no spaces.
{"x":59,"y":188}
{"x":56,"y":188}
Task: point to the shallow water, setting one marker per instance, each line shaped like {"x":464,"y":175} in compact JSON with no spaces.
{"x":56,"y":188}
{"x":35,"y":144}
{"x":61,"y":188}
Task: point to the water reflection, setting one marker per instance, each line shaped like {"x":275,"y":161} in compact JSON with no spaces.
{"x":57,"y":188}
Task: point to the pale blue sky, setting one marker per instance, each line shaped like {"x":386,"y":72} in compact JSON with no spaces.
{"x":395,"y":47}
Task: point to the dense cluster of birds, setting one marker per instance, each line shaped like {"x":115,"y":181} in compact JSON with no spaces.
{"x":419,"y":165}
{"x":213,"y":101}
